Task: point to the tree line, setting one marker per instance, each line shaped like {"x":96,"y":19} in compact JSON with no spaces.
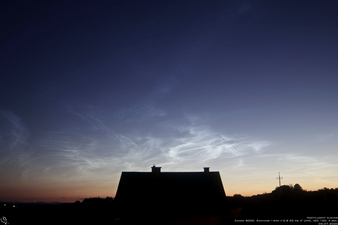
{"x":285,"y":202}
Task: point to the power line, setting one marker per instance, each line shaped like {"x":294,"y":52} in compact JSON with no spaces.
{"x":279,"y":178}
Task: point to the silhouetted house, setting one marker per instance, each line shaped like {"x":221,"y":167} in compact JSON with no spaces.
{"x":169,"y":196}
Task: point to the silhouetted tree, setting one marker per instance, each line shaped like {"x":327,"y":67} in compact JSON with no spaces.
{"x":237,"y":201}
{"x":297,"y":187}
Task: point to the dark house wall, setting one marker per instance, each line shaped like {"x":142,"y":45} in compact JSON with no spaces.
{"x":170,"y":194}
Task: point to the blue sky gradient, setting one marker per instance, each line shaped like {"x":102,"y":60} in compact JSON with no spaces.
{"x":90,"y":89}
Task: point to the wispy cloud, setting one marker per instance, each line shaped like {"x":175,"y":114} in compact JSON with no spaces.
{"x":80,"y":153}
{"x":13,"y":139}
{"x":186,"y":142}
{"x":13,"y":128}
{"x":325,"y":137}
{"x":134,"y":138}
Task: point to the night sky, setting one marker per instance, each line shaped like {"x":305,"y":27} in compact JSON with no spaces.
{"x":89,"y":89}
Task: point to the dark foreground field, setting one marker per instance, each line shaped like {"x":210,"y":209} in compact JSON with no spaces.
{"x":284,"y":203}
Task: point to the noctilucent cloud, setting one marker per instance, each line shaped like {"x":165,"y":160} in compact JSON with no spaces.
{"x":93,"y":88}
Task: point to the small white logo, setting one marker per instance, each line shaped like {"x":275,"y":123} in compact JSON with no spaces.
{"x":4,"y":220}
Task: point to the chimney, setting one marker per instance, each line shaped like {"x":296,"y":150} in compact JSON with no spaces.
{"x":156,"y":171}
{"x":206,"y":169}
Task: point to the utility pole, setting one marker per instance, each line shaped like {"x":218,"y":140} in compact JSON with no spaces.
{"x":279,"y":178}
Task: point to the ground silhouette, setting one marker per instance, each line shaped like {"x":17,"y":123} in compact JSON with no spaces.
{"x":285,"y":202}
